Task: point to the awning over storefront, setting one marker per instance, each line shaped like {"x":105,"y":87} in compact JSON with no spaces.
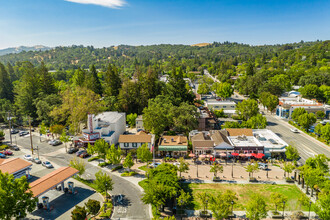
{"x":172,"y":148}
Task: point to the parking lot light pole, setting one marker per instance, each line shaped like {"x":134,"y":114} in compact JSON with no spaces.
{"x":106,"y":195}
{"x":283,"y":208}
{"x":232,"y":208}
{"x":197,"y":168}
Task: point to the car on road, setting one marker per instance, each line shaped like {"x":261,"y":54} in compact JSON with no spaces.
{"x":294,"y":130}
{"x":2,"y":155}
{"x":14,"y":131}
{"x":154,"y":165}
{"x":23,"y":133}
{"x":80,"y":152}
{"x":72,"y":150}
{"x":263,"y":166}
{"x":7,"y":152}
{"x":84,"y":155}
{"x":28,"y":157}
{"x":55,"y":142}
{"x":14,"y":147}
{"x":47,"y":164}
{"x":37,"y":160}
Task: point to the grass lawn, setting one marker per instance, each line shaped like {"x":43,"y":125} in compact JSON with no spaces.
{"x":144,"y":168}
{"x":244,"y":191}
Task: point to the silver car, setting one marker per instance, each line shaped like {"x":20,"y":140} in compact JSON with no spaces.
{"x":47,"y":164}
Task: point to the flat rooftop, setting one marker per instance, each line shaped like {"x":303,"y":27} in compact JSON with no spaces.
{"x":14,"y":165}
{"x":111,"y":117}
{"x":51,"y":180}
{"x":247,"y":141}
{"x":269,"y":139}
{"x":215,"y":102}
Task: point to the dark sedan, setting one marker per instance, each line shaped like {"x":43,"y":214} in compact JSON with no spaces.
{"x":72,"y":150}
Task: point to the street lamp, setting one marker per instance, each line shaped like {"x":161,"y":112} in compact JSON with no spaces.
{"x":232,"y":169}
{"x":309,"y":212}
{"x":232,"y":208}
{"x":283,"y":208}
{"x":197,"y":168}
{"x":181,"y":202}
{"x":207,"y":201}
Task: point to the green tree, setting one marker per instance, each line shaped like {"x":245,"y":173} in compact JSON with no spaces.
{"x":184,"y":118}
{"x":47,"y":85}
{"x":6,"y":87}
{"x":292,"y":153}
{"x":221,"y":204}
{"x":247,"y":109}
{"x":311,"y":91}
{"x":256,"y":207}
{"x":183,"y":166}
{"x":65,"y":138}
{"x":203,"y":89}
{"x":112,"y":81}
{"x":144,"y":154}
{"x":103,"y":182}
{"x":93,"y":206}
{"x":203,"y":197}
{"x":323,"y":206}
{"x":16,"y":199}
{"x":278,"y":199}
{"x":223,"y":90}
{"x":288,"y":168}
{"x":306,"y":120}
{"x":157,"y":115}
{"x":318,"y":129}
{"x":320,"y":114}
{"x":114,"y":155}
{"x":78,"y":213}
{"x":325,"y":132}
{"x":131,"y":119}
{"x":79,"y":77}
{"x":76,"y":104}
{"x":128,"y":162}
{"x":252,"y":168}
{"x":183,"y":199}
{"x":44,"y":106}
{"x":216,"y":168}
{"x":79,"y":165}
{"x":297,"y":113}
{"x":257,"y":122}
{"x":100,"y":147}
{"x":57,"y":129}
{"x":93,"y":81}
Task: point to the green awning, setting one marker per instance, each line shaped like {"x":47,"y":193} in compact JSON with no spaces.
{"x":172,"y":148}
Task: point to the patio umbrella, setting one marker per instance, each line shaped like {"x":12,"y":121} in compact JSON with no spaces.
{"x":242,"y":155}
{"x":223,"y":155}
{"x":248,"y":155}
{"x":191,"y":155}
{"x":202,"y":156}
{"x":253,"y":155}
{"x":259,"y":156}
{"x":235,"y":154}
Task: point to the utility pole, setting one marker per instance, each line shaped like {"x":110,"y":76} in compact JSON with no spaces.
{"x":9,"y":120}
{"x":31,"y":135}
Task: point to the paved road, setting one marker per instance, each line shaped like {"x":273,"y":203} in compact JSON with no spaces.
{"x":307,"y":146}
{"x":132,"y":207}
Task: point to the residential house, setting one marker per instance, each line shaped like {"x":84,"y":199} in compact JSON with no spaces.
{"x":127,"y":142}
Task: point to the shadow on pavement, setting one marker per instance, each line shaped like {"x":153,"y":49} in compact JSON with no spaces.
{"x":271,"y":123}
{"x":33,"y":178}
{"x":62,"y":203}
{"x":121,"y":200}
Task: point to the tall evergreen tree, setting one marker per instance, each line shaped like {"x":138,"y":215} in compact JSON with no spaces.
{"x":93,"y":81}
{"x":6,"y":87}
{"x":47,"y":85}
{"x":112,"y":81}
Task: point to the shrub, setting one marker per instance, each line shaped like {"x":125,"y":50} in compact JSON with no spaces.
{"x":129,"y":173}
{"x":91,"y":159}
{"x":104,"y":164}
{"x":3,"y":147}
{"x":117,"y":168}
{"x":108,"y":211}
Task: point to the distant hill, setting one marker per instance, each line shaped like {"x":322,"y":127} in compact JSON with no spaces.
{"x":200,"y":45}
{"x":23,"y":48}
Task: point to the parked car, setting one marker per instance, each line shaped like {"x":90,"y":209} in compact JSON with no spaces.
{"x":263,"y":166}
{"x":14,"y":131}
{"x":80,"y":152}
{"x":14,"y":147}
{"x":37,"y":160}
{"x":28,"y":157}
{"x":2,"y":155}
{"x":47,"y":164}
{"x":7,"y":152}
{"x":84,"y":155}
{"x":154,"y":165}
{"x":294,"y":130}
{"x":72,"y":150}
{"x":22,"y":133}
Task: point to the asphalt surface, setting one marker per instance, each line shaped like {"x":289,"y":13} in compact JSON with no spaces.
{"x":131,"y":206}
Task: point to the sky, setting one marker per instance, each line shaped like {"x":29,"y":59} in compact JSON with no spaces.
{"x":104,"y":23}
